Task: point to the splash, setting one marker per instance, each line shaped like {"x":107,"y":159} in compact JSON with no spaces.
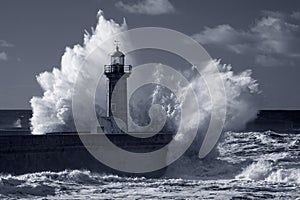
{"x":241,"y":96}
{"x":264,"y":170}
{"x":53,"y":111}
{"x":18,"y":123}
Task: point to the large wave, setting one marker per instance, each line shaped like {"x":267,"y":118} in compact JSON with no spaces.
{"x":53,"y":111}
{"x":241,"y":96}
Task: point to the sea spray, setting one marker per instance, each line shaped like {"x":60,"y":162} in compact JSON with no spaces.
{"x":241,"y":100}
{"x":53,"y":111}
{"x":241,"y":96}
{"x":18,"y":123}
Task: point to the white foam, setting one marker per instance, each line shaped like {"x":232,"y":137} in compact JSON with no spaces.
{"x":17,"y":123}
{"x":285,"y":175}
{"x":256,"y":171}
{"x":52,"y":112}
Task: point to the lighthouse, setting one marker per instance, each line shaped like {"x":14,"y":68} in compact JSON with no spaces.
{"x":117,"y":73}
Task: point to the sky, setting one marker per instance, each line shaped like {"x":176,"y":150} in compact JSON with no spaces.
{"x":261,"y":35}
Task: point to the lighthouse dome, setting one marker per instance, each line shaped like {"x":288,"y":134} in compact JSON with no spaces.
{"x":117,"y":53}
{"x":117,"y":57}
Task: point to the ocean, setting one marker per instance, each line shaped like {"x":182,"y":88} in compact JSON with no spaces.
{"x":245,"y":165}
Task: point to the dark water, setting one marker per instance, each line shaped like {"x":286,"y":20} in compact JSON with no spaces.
{"x":246,"y":165}
{"x":18,"y":120}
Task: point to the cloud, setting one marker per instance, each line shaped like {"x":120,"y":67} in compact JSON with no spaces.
{"x":268,"y":61}
{"x":296,"y":15}
{"x":147,"y":7}
{"x":3,"y":56}
{"x":272,"y":38}
{"x":4,"y":43}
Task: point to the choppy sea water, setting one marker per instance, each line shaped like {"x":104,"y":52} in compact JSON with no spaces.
{"x":247,"y":165}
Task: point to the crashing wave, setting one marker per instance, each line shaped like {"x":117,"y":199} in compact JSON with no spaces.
{"x":53,"y":111}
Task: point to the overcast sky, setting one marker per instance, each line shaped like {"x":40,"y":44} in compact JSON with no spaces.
{"x":263,"y":35}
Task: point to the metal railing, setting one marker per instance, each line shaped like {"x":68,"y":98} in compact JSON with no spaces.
{"x":117,"y":68}
{"x":127,"y":68}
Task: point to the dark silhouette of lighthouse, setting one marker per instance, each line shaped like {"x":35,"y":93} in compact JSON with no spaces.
{"x":117,"y":73}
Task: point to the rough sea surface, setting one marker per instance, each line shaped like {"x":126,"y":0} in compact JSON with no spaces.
{"x":246,"y":165}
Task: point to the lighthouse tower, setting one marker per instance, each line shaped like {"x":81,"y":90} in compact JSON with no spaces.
{"x":117,"y":73}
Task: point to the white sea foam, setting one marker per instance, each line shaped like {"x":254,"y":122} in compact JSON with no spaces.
{"x":18,"y":123}
{"x":291,"y":175}
{"x":265,"y":170}
{"x":53,"y":111}
{"x":256,"y":171}
{"x":259,"y":171}
{"x":82,"y":184}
